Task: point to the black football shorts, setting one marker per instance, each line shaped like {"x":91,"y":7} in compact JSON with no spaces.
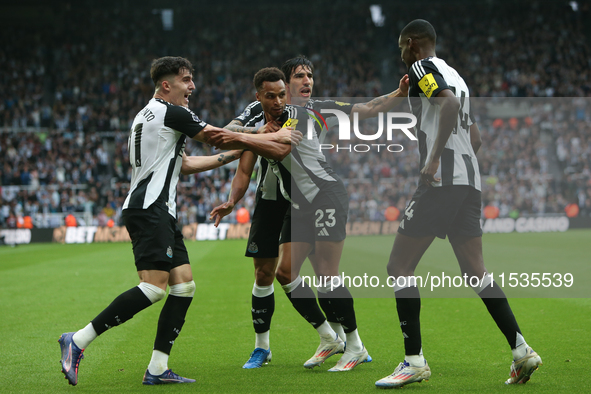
{"x":443,"y":211}
{"x":156,"y":239}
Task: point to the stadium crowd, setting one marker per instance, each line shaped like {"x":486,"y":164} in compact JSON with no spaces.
{"x":69,"y":95}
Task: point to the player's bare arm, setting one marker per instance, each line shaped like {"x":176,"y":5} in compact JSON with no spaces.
{"x":195,"y":164}
{"x":237,"y":127}
{"x":475,"y":138}
{"x":383,"y":103}
{"x":239,"y":186}
{"x":274,"y":146}
{"x":449,"y":107}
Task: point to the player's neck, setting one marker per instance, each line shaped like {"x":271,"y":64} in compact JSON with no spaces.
{"x":425,"y":53}
{"x":269,"y":118}
{"x":157,"y":95}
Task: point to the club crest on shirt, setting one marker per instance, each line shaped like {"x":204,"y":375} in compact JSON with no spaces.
{"x":253,"y":247}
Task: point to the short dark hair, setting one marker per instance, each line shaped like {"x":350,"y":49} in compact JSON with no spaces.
{"x":290,"y":65}
{"x":168,"y":65}
{"x":268,"y":74}
{"x":419,"y":28}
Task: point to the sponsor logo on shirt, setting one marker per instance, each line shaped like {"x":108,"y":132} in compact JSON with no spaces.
{"x":428,"y":85}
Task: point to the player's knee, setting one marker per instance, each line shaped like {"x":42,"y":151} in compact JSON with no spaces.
{"x":283,"y":276}
{"x":264,"y":277}
{"x":391,"y":269}
{"x":186,"y":289}
{"x":396,"y":270}
{"x":154,"y":293}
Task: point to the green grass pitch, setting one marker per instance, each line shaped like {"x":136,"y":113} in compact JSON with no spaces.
{"x":47,"y":289}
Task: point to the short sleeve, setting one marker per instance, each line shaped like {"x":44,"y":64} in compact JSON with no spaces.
{"x":426,"y":79}
{"x":183,"y":120}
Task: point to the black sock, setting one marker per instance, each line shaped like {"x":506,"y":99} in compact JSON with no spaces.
{"x":327,"y":308}
{"x":340,"y":302}
{"x":123,"y":308}
{"x":408,"y":305}
{"x":304,"y":301}
{"x":170,"y":323}
{"x":262,"y":312}
{"x":496,"y":302}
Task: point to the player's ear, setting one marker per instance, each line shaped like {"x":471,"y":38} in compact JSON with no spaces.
{"x":165,"y":85}
{"x":257,"y":96}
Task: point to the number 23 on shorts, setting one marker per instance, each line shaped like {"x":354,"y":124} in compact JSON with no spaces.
{"x":330,"y":218}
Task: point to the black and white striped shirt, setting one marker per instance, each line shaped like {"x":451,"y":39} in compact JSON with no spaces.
{"x":302,"y":173}
{"x":458,"y":164}
{"x":156,"y":146}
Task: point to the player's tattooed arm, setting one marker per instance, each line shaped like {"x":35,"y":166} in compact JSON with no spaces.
{"x":195,"y":164}
{"x":228,"y":157}
{"x":237,"y":127}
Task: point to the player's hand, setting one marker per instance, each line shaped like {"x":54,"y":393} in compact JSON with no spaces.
{"x":404,"y":84}
{"x":214,"y":137}
{"x":269,"y":127}
{"x":428,"y":172}
{"x":288,"y":135}
{"x":220,"y":211}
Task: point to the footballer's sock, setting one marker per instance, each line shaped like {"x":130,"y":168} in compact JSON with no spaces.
{"x":338,"y":328}
{"x":353,"y":341}
{"x":85,"y":336}
{"x":408,"y":305}
{"x":328,"y":311}
{"x":304,"y":301}
{"x":262,"y":340}
{"x":172,"y":316}
{"x":123,"y":308}
{"x":496,"y":302}
{"x":263,"y":306}
{"x":341,"y":302}
{"x":325,"y":331}
{"x":520,"y":347}
{"x":158,"y":363}
{"x":416,"y":360}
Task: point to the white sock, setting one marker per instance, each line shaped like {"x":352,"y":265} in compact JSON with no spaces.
{"x":262,"y":340}
{"x":520,"y":347}
{"x":158,"y":363}
{"x":353,"y":341}
{"x":82,"y":338}
{"x":415,"y":360}
{"x":338,"y":328}
{"x":326,"y":332}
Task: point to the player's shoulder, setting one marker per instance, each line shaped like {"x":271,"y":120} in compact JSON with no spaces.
{"x":178,"y":113}
{"x":251,"y":110}
{"x":422,"y":67}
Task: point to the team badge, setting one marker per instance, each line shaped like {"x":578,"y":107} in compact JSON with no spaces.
{"x":253,"y":247}
{"x":169,"y":252}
